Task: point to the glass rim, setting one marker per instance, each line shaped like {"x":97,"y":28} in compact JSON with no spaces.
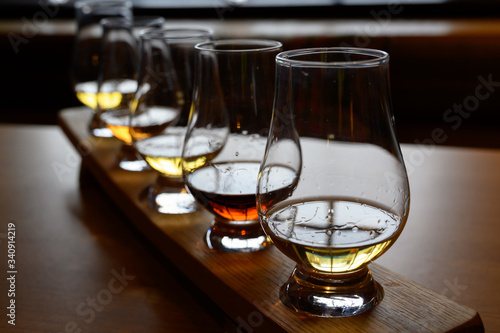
{"x":190,"y":33}
{"x":254,"y":45}
{"x":102,"y":3}
{"x":136,"y":21}
{"x":378,"y":57}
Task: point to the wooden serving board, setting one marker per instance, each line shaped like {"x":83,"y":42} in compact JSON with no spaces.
{"x":245,"y":285}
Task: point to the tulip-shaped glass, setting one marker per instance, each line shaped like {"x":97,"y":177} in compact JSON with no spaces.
{"x":87,"y":49}
{"x":117,"y":82}
{"x":159,"y":119}
{"x":226,"y":137}
{"x":333,"y":193}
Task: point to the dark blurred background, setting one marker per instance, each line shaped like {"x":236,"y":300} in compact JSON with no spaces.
{"x":445,"y":68}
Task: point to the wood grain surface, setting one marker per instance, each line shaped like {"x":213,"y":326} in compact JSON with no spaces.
{"x":245,"y":286}
{"x":72,"y":244}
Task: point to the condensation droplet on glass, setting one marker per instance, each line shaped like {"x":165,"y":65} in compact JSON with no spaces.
{"x":354,"y":229}
{"x":236,"y":154}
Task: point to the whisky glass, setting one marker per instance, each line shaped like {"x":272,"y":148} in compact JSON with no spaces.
{"x":226,"y":137}
{"x":158,"y":122}
{"x":117,"y":82}
{"x":87,"y":49}
{"x":333,"y":192}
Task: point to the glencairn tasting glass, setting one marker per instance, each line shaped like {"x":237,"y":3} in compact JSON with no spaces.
{"x":117,"y":82}
{"x":226,"y":137}
{"x":333,"y":193}
{"x":160,"y":114}
{"x":85,"y":62}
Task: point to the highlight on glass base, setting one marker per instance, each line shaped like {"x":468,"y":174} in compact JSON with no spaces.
{"x":98,"y":129}
{"x":169,"y":197}
{"x":345,"y":198}
{"x":346,"y":295}
{"x":128,"y":159}
{"x":232,"y":237}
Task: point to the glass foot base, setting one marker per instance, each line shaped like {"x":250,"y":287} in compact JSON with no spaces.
{"x":331,"y":297}
{"x":243,"y":237}
{"x":133,"y":165}
{"x":128,"y":159}
{"x":102,"y":132}
{"x":169,"y":196}
{"x":97,"y":129}
{"x":172,"y":201}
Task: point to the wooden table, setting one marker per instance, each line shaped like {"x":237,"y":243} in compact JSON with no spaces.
{"x":450,"y":244}
{"x":81,"y":264}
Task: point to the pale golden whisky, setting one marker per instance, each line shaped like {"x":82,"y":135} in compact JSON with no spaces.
{"x":331,"y":235}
